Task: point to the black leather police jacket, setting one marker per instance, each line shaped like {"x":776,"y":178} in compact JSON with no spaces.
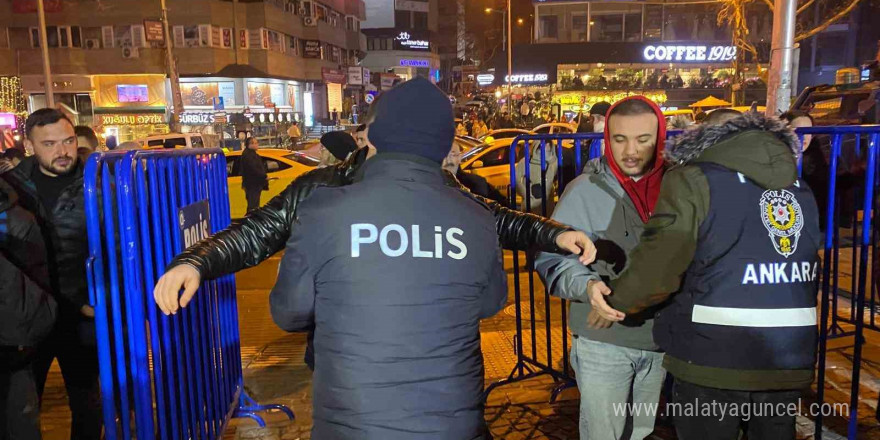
{"x":249,"y":241}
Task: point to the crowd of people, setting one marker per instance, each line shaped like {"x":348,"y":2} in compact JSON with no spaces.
{"x":658,"y":246}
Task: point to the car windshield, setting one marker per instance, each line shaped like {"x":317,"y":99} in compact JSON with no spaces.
{"x":479,"y":149}
{"x":303,"y":159}
{"x":505,"y":134}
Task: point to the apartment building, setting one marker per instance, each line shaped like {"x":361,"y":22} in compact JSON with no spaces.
{"x":273,"y":61}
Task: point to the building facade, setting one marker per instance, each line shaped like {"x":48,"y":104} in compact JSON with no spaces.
{"x":272,"y":61}
{"x":402,"y":40}
{"x":672,"y":50}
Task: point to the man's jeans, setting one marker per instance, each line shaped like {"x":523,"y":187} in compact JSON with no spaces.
{"x":610,"y":377}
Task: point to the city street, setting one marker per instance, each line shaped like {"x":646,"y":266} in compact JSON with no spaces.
{"x":275,"y":373}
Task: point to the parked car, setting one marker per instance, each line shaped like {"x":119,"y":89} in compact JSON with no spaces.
{"x":554,"y":128}
{"x":492,"y":162}
{"x":282,"y":167}
{"x":173,"y":140}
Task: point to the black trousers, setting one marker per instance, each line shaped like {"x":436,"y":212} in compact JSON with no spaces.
{"x":768,"y":413}
{"x":72,"y":342}
{"x":20,"y":412}
{"x":252,"y":195}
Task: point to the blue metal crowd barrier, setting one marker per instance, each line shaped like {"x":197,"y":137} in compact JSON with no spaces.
{"x":180,"y":376}
{"x":856,"y":145}
{"x":529,"y":360}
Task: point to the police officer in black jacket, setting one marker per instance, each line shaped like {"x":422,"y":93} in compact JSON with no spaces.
{"x":396,"y":270}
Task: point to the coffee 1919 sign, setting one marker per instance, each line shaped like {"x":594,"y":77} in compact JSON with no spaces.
{"x":132,"y":119}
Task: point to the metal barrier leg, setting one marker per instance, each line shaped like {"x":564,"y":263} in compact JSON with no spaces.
{"x":860,"y":298}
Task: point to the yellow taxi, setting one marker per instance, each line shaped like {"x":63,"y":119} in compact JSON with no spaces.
{"x":282,"y":167}
{"x":492,"y":162}
{"x":687,"y":113}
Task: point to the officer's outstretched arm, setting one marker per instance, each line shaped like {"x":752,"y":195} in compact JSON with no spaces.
{"x":521,"y":231}
{"x":246,"y":242}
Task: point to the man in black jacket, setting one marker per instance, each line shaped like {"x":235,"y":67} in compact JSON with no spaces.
{"x":27,"y":314}
{"x":253,"y":174}
{"x":50,"y":186}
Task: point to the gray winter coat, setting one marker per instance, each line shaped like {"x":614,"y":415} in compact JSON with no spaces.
{"x":596,"y":203}
{"x":397,"y":340}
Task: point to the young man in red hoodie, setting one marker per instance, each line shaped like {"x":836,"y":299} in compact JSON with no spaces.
{"x":619,"y":362}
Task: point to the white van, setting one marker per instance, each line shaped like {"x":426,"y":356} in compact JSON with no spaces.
{"x":173,"y":140}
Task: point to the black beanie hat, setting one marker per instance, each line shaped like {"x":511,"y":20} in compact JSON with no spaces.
{"x":414,"y":117}
{"x":339,"y":143}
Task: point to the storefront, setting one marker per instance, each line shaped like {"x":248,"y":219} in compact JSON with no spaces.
{"x":130,"y":107}
{"x":681,"y":71}
{"x":74,"y":92}
{"x":404,"y":53}
{"x":270,"y":105}
{"x":334,"y":80}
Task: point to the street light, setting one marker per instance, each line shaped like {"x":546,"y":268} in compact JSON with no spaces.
{"x":509,"y":44}
{"x":503,"y":21}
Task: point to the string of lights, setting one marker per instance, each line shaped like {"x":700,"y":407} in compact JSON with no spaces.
{"x":12,"y":98}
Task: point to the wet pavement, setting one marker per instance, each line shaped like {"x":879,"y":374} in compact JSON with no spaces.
{"x":274,"y":372}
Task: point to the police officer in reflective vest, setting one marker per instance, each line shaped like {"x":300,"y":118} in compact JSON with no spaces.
{"x":732,"y":248}
{"x":395,"y":271}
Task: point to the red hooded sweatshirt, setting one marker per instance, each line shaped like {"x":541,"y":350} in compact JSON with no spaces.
{"x":645,"y":191}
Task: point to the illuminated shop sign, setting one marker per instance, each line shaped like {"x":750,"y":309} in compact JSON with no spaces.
{"x":689,"y":53}
{"x":527,"y":78}
{"x":415,"y":63}
{"x":408,"y":41}
{"x":197,"y":118}
{"x":485,"y":79}
{"x":132,"y":119}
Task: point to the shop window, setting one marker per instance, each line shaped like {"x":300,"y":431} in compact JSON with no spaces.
{"x":383,"y":44}
{"x":273,"y":40}
{"x":76,"y":36}
{"x":122,"y":36}
{"x":632,"y":27}
{"x":693,"y":22}
{"x":653,"y":29}
{"x":549,"y":26}
{"x":402,"y":19}
{"x":579,"y":27}
{"x":57,"y":36}
{"x":420,"y":20}
{"x":609,"y":22}
{"x":292,"y":46}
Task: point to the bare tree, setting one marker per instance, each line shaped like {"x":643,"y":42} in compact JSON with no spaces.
{"x":733,"y":15}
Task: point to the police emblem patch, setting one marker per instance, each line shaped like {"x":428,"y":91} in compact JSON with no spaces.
{"x":782,"y":216}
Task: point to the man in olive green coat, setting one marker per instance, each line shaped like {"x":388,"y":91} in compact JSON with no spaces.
{"x":731,"y":250}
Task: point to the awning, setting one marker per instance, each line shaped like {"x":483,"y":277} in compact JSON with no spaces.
{"x":711,"y":101}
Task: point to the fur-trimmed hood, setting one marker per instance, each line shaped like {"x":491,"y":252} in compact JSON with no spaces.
{"x":690,"y":144}
{"x":763,"y":149}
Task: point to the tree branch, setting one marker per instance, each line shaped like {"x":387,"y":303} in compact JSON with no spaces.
{"x":805,"y":6}
{"x":852,"y":5}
